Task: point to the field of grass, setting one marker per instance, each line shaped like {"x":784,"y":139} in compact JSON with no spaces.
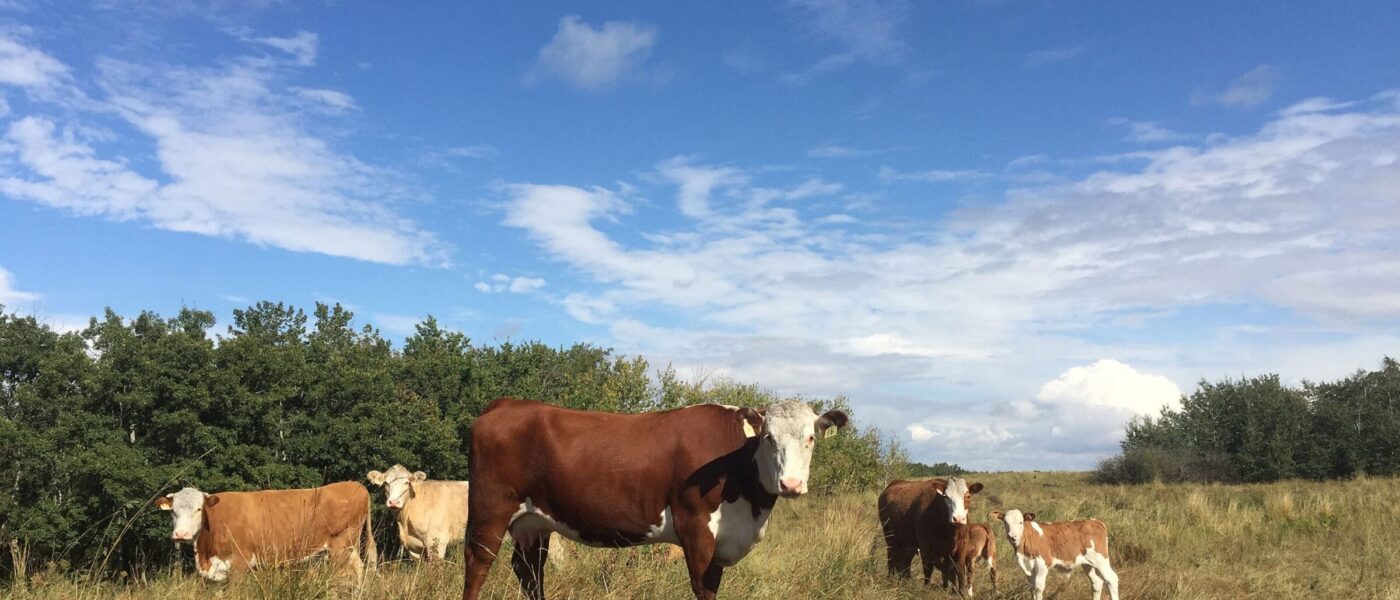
{"x":1284,"y":540}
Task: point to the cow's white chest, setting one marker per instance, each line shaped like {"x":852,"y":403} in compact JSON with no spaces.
{"x":217,"y":571}
{"x":736,"y":530}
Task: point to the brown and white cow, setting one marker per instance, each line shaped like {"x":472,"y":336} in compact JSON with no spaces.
{"x":971,"y":543}
{"x":1066,"y":546}
{"x":705,"y":477}
{"x":431,"y":515}
{"x":918,"y":518}
{"x":234,"y":531}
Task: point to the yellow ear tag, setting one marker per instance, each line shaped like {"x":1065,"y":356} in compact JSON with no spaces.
{"x":748,"y":429}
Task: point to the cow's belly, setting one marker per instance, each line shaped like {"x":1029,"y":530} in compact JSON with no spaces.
{"x":531,"y":522}
{"x":736,"y":530}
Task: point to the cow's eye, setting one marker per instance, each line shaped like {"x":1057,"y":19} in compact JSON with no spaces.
{"x":811,"y":439}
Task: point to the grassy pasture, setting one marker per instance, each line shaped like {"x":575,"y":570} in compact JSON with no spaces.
{"x":1294,"y":539}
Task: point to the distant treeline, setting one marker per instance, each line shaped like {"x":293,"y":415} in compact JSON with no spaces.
{"x":1258,"y":429}
{"x":943,"y":469}
{"x":94,"y":424}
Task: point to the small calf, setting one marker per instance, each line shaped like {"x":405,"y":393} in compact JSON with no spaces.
{"x":970,"y":543}
{"x":1064,"y":546}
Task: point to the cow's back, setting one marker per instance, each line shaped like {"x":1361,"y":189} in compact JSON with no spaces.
{"x":285,"y":523}
{"x":615,"y":472}
{"x":1067,"y":540}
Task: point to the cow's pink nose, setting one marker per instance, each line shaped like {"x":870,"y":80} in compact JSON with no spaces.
{"x":395,"y":503}
{"x":791,"y":486}
{"x":180,"y":537}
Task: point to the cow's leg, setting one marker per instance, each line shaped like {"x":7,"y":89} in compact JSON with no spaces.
{"x":1095,"y":581}
{"x":699,"y":546}
{"x":531,"y":552}
{"x":968,"y":573}
{"x":1038,"y":582}
{"x":1105,"y":571}
{"x":899,"y":559}
{"x":484,"y":535}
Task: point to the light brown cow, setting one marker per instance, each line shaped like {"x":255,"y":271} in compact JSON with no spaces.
{"x":971,"y":542}
{"x":431,"y":514}
{"x":918,"y":518}
{"x":1066,"y":546}
{"x":234,"y":531}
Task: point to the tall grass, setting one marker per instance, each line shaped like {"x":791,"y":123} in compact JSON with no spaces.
{"x":1282,"y":540}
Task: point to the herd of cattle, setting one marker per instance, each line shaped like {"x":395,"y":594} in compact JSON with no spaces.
{"x":703,"y":478}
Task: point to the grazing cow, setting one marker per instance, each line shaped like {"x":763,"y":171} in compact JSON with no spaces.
{"x":918,"y":518}
{"x":233,"y":531}
{"x":704,"y":477}
{"x":431,"y":514}
{"x":971,"y":542}
{"x":1064,"y":546}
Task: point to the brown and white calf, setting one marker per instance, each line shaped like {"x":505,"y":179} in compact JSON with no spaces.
{"x":918,"y":518}
{"x":235,"y":531}
{"x":1065,"y":546}
{"x":971,"y":543}
{"x":704,"y":477}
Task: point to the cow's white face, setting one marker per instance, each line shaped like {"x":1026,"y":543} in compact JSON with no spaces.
{"x":958,"y":496}
{"x":187,"y":511}
{"x":397,"y":483}
{"x":789,"y":432}
{"x":1015,"y":523}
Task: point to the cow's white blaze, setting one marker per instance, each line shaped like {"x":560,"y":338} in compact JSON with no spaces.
{"x":955,"y":494}
{"x":1015,"y":526}
{"x":187,"y":513}
{"x":785,"y":449}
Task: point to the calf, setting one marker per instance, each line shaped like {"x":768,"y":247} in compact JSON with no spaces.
{"x":1041,"y":547}
{"x":971,"y":543}
{"x":918,"y":518}
{"x":704,"y":477}
{"x":233,"y":531}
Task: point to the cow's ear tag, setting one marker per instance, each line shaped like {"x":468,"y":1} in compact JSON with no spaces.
{"x":748,"y":429}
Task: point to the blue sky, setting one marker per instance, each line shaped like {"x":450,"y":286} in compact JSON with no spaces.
{"x":1000,"y":227}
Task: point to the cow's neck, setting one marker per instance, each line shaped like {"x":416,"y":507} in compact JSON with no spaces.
{"x":744,"y":482}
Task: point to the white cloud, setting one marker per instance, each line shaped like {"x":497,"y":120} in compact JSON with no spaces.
{"x":475,"y":151}
{"x":1146,"y":131}
{"x":301,"y":46}
{"x":501,"y":282}
{"x":919,"y":433}
{"x":1249,"y":89}
{"x":30,"y":68}
{"x":1111,"y":384}
{"x":1298,"y":218}
{"x":1054,"y":55}
{"x":8,"y":294}
{"x":866,"y":31}
{"x":397,"y":325}
{"x":593,"y":58}
{"x":839,"y":151}
{"x":233,"y":161}
{"x":329,"y":99}
{"x":932,"y":175}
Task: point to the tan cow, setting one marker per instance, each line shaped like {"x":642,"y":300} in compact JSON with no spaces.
{"x":235,"y":531}
{"x":1066,"y":546}
{"x":431,"y":514}
{"x":971,"y":543}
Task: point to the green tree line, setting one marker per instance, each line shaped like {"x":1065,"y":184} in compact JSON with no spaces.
{"x":1258,"y":429}
{"x":94,"y":424}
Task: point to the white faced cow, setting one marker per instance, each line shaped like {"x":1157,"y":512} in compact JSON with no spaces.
{"x":1066,"y":546}
{"x":703,"y":477}
{"x":235,"y":531}
{"x":431,"y":515}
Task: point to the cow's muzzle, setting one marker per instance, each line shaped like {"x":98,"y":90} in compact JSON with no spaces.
{"x":791,"y":487}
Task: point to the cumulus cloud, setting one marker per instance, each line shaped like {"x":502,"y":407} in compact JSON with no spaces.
{"x":233,"y":160}
{"x":919,"y":433}
{"x":8,"y":293}
{"x":1295,"y":216}
{"x":26,"y":67}
{"x":593,"y":58}
{"x":501,"y":282}
{"x":1249,"y":89}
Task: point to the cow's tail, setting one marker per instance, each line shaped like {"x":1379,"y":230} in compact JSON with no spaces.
{"x":371,"y":551}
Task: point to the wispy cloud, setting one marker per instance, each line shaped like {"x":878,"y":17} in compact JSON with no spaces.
{"x":8,"y":294}
{"x":865,"y":31}
{"x":593,"y":58}
{"x":234,"y":160}
{"x":831,"y":150}
{"x":1055,"y":55}
{"x":889,"y":174}
{"x":1264,"y":218}
{"x":1146,"y":131}
{"x":501,"y":282}
{"x":1247,"y":90}
{"x":302,"y":46}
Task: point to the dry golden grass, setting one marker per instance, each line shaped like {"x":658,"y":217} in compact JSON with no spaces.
{"x":1284,"y":540}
